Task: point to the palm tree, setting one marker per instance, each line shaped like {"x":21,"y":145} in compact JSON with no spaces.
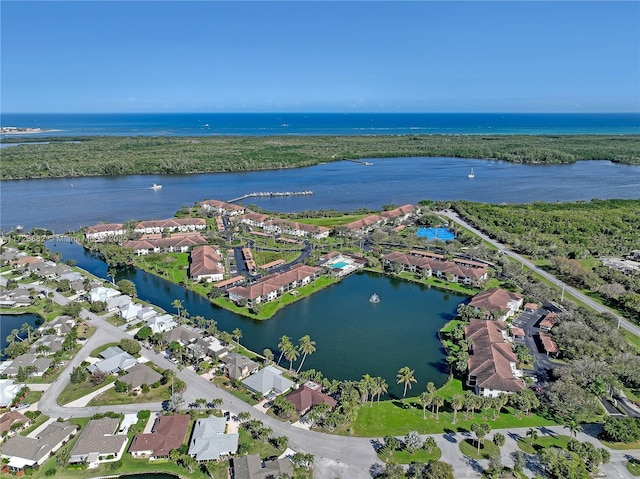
{"x":366,"y":387}
{"x":306,"y":346}
{"x":424,"y":400}
{"x":237,"y":334}
{"x":533,"y":434}
{"x":405,"y":376}
{"x":438,"y":401}
{"x":177,"y":303}
{"x":381,"y":386}
{"x":268,"y":356}
{"x":291,"y":355}
{"x":573,"y":426}
{"x":457,"y":401}
{"x":480,"y":430}
{"x":283,"y":346}
{"x":27,"y":328}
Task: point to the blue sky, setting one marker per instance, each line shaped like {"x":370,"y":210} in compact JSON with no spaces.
{"x":307,"y":56}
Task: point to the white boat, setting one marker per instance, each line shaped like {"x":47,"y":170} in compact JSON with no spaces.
{"x":374,"y":298}
{"x":472,"y":174}
{"x":156,"y":186}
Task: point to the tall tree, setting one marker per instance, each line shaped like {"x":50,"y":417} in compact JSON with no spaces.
{"x":237,"y":335}
{"x":405,"y":377}
{"x":306,"y":346}
{"x":284,"y":345}
{"x":177,"y":304}
{"x":457,"y":401}
{"x":291,"y":355}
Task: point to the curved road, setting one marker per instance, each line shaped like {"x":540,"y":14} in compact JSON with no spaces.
{"x":561,"y":284}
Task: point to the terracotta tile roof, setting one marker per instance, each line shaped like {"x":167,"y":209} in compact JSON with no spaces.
{"x":549,"y":321}
{"x":10,"y":418}
{"x":364,"y":222}
{"x":101,"y":228}
{"x":205,"y":260}
{"x":494,"y":299}
{"x":517,"y":332}
{"x":168,"y":433}
{"x":304,"y":398}
{"x":273,"y":282}
{"x":399,"y":211}
{"x":548,"y":343}
{"x":492,"y":357}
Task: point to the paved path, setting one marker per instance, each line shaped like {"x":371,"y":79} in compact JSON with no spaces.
{"x":572,"y":291}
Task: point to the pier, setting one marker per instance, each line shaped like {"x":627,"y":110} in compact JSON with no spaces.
{"x":270,"y":194}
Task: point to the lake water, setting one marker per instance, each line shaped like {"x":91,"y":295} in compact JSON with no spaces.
{"x":353,"y":336}
{"x":9,"y":322}
{"x":69,"y":204}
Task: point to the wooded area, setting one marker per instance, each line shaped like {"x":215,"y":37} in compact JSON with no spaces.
{"x":94,"y":156}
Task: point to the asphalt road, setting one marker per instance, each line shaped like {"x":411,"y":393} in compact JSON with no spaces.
{"x":561,"y":284}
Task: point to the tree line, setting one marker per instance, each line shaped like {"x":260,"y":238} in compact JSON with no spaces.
{"x":94,"y":156}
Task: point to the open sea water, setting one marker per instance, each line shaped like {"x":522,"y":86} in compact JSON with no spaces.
{"x":205,"y":124}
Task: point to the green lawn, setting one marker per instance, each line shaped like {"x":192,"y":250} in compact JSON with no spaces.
{"x":40,"y":420}
{"x":241,"y":393}
{"x":525,"y":444}
{"x":406,"y":457}
{"x":331,"y":221}
{"x":110,"y":396}
{"x":469,"y":448}
{"x":76,"y":391}
{"x":621,"y":446}
{"x":633,"y":466}
{"x":632,"y":338}
{"x":399,"y":417}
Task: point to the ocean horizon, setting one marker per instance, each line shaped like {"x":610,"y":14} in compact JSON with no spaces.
{"x":307,"y":124}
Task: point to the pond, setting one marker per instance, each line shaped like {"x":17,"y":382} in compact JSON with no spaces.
{"x":353,"y":336}
{"x":9,"y":322}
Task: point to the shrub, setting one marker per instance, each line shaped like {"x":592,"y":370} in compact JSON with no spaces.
{"x":50,"y":472}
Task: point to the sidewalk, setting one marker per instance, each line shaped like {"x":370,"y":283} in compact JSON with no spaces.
{"x":84,"y":400}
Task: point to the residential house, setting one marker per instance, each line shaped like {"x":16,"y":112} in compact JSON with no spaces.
{"x":268,"y":381}
{"x":161,"y":324}
{"x":518,"y":335}
{"x":98,"y":443}
{"x":364,"y":225}
{"x":36,"y":364}
{"x":492,"y":362}
{"x":61,"y":325}
{"x":503,"y":304}
{"x":156,"y":243}
{"x":13,"y":422}
{"x":114,"y":360}
{"x":235,"y":281}
{"x":23,"y":452}
{"x":206,"y":264}
{"x":46,"y":345}
{"x":308,"y":395}
{"x":117,"y":303}
{"x":104,"y":231}
{"x":182,"y":334}
{"x":167,"y":433}
{"x":401,"y":213}
{"x":274,"y":285}
{"x":140,"y":374}
{"x":530,"y":307}
{"x":256,"y":220}
{"x":8,"y":392}
{"x":212,"y":347}
{"x":209,"y":442}
{"x":102,"y":294}
{"x":252,"y":467}
{"x":238,"y":367}
{"x":129,"y":311}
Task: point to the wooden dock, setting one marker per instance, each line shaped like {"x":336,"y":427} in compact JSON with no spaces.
{"x":270,"y":194}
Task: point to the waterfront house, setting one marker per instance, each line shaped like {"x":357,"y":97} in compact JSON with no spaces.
{"x":308,"y":395}
{"x":98,"y":443}
{"x":205,"y":263}
{"x":23,"y":452}
{"x":212,"y":347}
{"x":492,"y":364}
{"x":157,"y":243}
{"x":104,"y":231}
{"x":209,"y":440}
{"x":46,"y":345}
{"x":268,"y":381}
{"x":255,"y":220}
{"x":167,"y":433}
{"x":502,"y":304}
{"x":102,"y":294}
{"x":237,"y":366}
{"x":60,"y":325}
{"x":182,"y":334}
{"x":161,"y":324}
{"x":117,"y":303}
{"x":252,"y":467}
{"x":130,"y":310}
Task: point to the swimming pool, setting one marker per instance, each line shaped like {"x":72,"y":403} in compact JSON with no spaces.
{"x":340,"y":264}
{"x":442,"y":234}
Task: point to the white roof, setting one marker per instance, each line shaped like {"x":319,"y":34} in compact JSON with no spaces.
{"x":267,"y":380}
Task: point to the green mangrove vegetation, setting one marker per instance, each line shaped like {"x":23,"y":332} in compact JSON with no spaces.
{"x":94,"y":156}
